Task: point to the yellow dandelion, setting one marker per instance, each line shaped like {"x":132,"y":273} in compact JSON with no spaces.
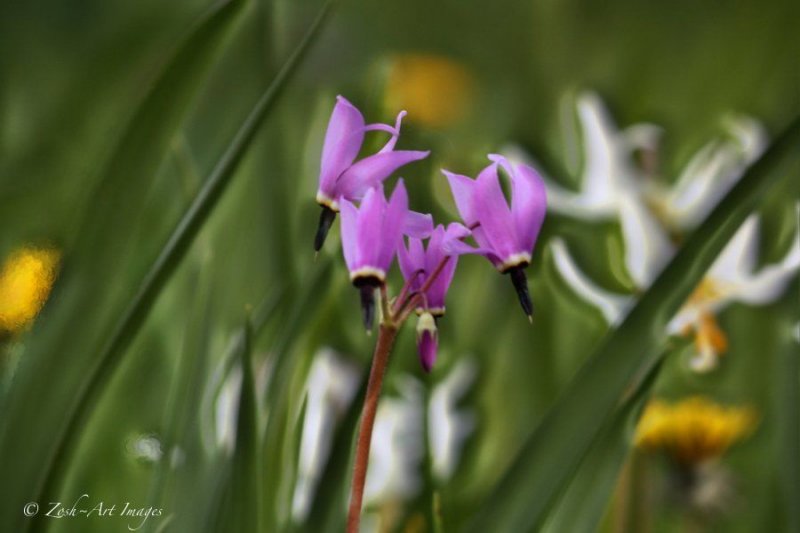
{"x":435,"y":90}
{"x":693,"y":430}
{"x":25,"y":282}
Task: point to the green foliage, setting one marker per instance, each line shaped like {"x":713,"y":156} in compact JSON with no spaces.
{"x":171,"y":150}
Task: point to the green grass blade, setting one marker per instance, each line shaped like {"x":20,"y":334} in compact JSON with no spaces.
{"x":585,"y":500}
{"x":181,"y":429}
{"x":788,"y":400}
{"x":245,"y":480}
{"x":64,"y":356}
{"x":550,"y":456}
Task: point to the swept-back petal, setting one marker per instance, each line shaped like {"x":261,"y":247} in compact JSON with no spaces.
{"x":528,"y":204}
{"x":463,"y":188}
{"x":419,"y":225}
{"x":343,"y":140}
{"x":647,"y":246}
{"x":612,"y":306}
{"x":370,"y":220}
{"x":738,"y":258}
{"x":392,"y":226}
{"x":411,"y":260}
{"x":494,"y":215}
{"x":372,"y":170}
{"x":349,"y":215}
{"x":435,"y":255}
{"x":395,"y":134}
{"x":771,"y":281}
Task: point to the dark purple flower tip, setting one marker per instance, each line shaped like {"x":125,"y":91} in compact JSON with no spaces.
{"x":366,"y":287}
{"x":427,"y":340}
{"x":520,"y":282}
{"x":326,"y":218}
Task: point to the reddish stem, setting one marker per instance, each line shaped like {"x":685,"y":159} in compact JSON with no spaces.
{"x":380,"y":360}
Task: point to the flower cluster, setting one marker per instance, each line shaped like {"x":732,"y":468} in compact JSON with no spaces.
{"x":375,"y":229}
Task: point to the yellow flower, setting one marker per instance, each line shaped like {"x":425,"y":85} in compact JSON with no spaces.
{"x":436,"y":91}
{"x":25,"y":282}
{"x":693,"y":430}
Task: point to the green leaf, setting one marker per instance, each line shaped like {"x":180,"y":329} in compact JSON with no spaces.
{"x":280,"y":397}
{"x":34,"y":454}
{"x":245,"y":480}
{"x":787,"y":383}
{"x":71,"y":352}
{"x":171,"y":487}
{"x":552,"y":453}
{"x":584,"y":502}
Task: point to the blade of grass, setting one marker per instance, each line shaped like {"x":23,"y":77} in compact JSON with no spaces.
{"x":279,"y":399}
{"x":63,"y":354}
{"x":96,"y":375}
{"x":180,"y":428}
{"x":245,"y":481}
{"x":788,"y":399}
{"x":550,"y":456}
{"x":585,"y":500}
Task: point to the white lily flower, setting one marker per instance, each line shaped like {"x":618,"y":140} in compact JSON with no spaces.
{"x":732,"y":278}
{"x":397,"y":446}
{"x":332,"y":384}
{"x":448,"y":426}
{"x":650,"y":214}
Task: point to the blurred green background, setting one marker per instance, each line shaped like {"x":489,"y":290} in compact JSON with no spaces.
{"x":73,"y":78}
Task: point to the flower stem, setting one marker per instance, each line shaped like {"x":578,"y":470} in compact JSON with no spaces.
{"x":380,"y":360}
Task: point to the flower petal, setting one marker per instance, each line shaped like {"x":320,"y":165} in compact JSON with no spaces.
{"x":770,"y":282}
{"x":372,"y":170}
{"x":419,"y":225}
{"x":528,"y":201}
{"x":349,"y":215}
{"x":343,"y":140}
{"x":435,"y":255}
{"x":494,"y":214}
{"x":462,"y":188}
{"x":369,"y":234}
{"x":737,"y":260}
{"x":389,"y":146}
{"x":411,"y":260}
{"x":612,"y":306}
{"x":392,"y":226}
{"x":647,"y":246}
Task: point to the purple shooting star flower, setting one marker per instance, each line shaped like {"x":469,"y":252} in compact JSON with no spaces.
{"x":340,"y":175}
{"x":505,"y":235}
{"x":371,"y":234}
{"x":418,"y":264}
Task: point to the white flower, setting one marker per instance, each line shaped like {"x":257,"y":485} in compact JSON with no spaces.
{"x":652,"y":214}
{"x":448,"y":426}
{"x":732,"y":278}
{"x":331,"y":385}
